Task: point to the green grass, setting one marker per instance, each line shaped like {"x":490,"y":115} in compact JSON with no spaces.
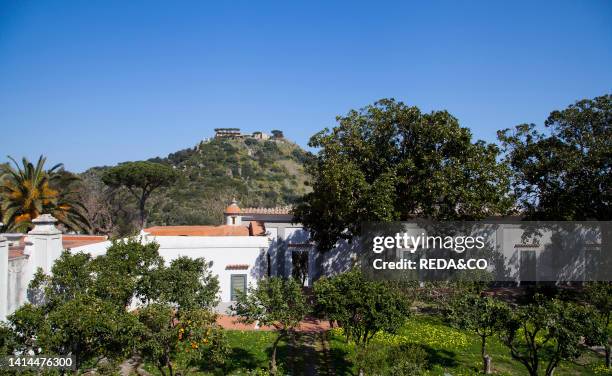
{"x":250,"y":351}
{"x":453,"y":351}
{"x":448,"y":350}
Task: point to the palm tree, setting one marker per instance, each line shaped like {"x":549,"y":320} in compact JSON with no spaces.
{"x":28,"y":191}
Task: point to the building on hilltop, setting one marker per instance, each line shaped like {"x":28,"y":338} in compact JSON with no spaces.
{"x":234,"y":133}
{"x":227,"y":133}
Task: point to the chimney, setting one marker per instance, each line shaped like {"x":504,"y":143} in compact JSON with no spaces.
{"x":46,"y":240}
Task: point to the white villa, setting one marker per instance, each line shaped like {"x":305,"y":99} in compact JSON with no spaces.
{"x":253,"y":243}
{"x":257,"y":242}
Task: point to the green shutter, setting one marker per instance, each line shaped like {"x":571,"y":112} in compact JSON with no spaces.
{"x":238,"y":284}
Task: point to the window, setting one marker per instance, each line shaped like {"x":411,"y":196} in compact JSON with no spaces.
{"x":238,"y":284}
{"x":233,"y":220}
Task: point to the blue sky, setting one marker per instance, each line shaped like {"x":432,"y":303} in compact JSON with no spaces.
{"x":92,"y":83}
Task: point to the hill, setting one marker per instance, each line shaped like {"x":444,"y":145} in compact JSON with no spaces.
{"x":256,"y":172}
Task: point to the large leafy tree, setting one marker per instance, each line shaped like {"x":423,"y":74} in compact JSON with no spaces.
{"x":390,"y":161}
{"x":565,"y":172}
{"x":274,"y":302}
{"x":141,"y":179}
{"x":29,"y":190}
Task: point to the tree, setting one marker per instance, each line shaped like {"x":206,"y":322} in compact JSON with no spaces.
{"x":140,"y":179}
{"x":82,"y":308}
{"x":179,"y":317}
{"x":29,"y":190}
{"x":90,"y":329}
{"x":361,"y":307}
{"x":483,"y":315}
{"x":196,"y":336}
{"x":277,"y":134}
{"x":187,"y":284}
{"x":548,"y":331}
{"x":599,"y":296}
{"x":69,"y":319}
{"x":391,"y":162}
{"x":274,"y":302}
{"x":67,"y":316}
{"x":109,"y":211}
{"x":127,"y":271}
{"x":25,"y":324}
{"x":566,"y":173}
{"x":7,"y":339}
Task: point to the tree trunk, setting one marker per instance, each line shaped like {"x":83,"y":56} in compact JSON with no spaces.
{"x":486,"y":359}
{"x":273,"y":369}
{"x":143,"y":214}
{"x":608,"y":350}
{"x":487,"y":364}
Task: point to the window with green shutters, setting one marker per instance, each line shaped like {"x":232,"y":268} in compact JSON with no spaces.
{"x":238,"y":284}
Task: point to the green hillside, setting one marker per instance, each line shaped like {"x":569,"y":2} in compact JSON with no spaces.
{"x":255,"y":172}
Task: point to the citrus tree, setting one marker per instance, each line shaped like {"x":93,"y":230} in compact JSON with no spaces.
{"x":599,"y":296}
{"x":542,"y":334}
{"x":361,"y":307}
{"x":83,"y":308}
{"x":483,"y":315}
{"x":274,"y":302}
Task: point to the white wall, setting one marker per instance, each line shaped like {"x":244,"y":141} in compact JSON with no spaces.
{"x":222,"y":251}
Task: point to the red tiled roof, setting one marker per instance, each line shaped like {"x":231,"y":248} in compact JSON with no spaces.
{"x":73,"y":241}
{"x":253,"y":228}
{"x":237,"y":267}
{"x":225,"y":230}
{"x":68,"y":241}
{"x":279,"y":210}
{"x":233,"y":208}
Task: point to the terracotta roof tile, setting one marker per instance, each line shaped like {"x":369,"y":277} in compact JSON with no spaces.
{"x":233,"y":208}
{"x":224,"y":230}
{"x":279,"y":210}
{"x":73,"y":241}
{"x":237,"y":267}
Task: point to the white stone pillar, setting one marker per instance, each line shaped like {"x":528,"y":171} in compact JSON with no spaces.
{"x":47,"y":243}
{"x":3,"y":278}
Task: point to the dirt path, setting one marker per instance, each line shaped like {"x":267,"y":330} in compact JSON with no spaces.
{"x":310,"y":354}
